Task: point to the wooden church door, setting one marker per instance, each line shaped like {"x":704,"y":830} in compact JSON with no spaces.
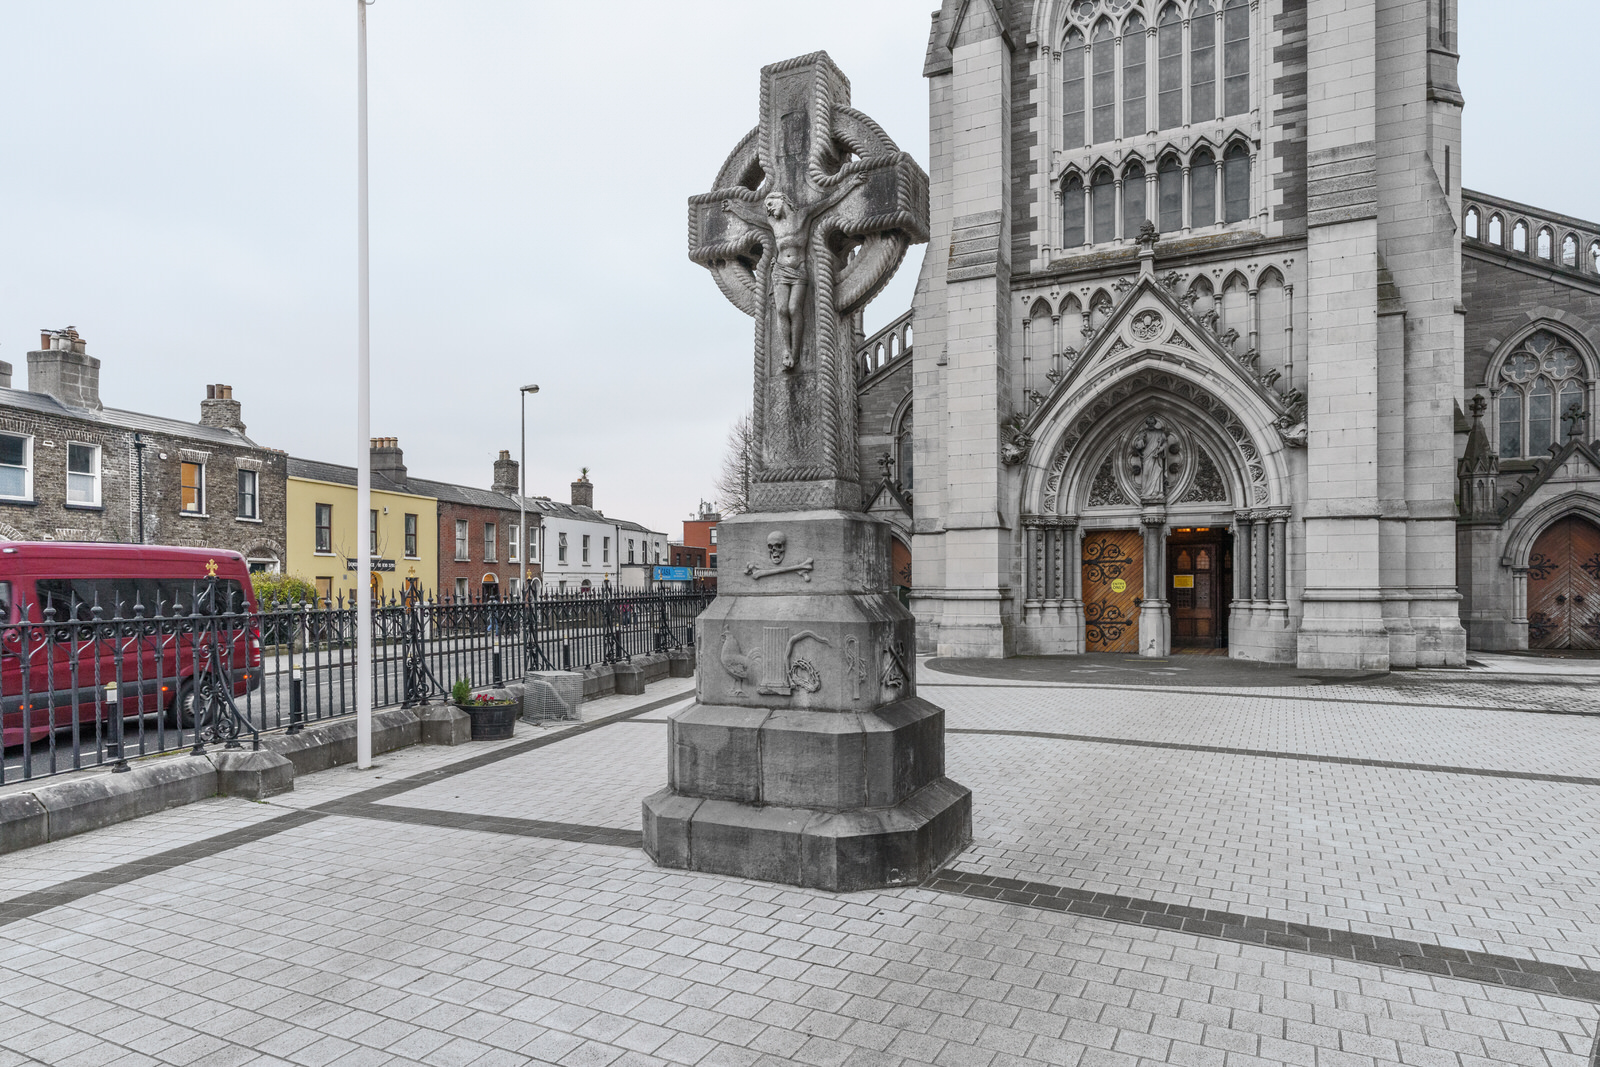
{"x":1564,"y":586}
{"x":1113,"y":582}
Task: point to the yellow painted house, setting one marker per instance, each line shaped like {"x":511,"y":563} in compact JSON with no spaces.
{"x":322,"y":532}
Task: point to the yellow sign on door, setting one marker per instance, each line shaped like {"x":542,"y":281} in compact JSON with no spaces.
{"x":1183,"y":581}
{"x":1119,"y":586}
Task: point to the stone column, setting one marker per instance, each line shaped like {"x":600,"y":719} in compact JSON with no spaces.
{"x":1261,"y":553}
{"x":1278,"y":535}
{"x":1155,"y":622}
{"x":1243,"y":577}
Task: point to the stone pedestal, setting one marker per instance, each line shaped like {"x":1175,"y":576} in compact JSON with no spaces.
{"x":808,"y":757}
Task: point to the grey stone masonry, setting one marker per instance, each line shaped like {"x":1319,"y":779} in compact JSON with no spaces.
{"x":136,"y":466}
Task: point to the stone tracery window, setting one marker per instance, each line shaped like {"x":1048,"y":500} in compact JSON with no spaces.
{"x":1472,"y":223}
{"x":1133,"y":206}
{"x":1545,"y":247}
{"x":1594,"y":257}
{"x":1543,"y":387}
{"x":1569,"y":251}
{"x":1214,"y":34}
{"x":1496,"y":230}
{"x":1519,"y":237}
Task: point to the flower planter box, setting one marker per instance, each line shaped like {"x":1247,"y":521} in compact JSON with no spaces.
{"x":492,"y":721}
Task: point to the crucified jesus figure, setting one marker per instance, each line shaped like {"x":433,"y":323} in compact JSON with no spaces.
{"x":791,"y":270}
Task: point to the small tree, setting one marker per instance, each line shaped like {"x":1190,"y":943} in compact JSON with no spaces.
{"x":738,"y":468}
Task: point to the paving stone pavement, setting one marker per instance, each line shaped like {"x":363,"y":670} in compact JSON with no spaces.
{"x":367,"y":918}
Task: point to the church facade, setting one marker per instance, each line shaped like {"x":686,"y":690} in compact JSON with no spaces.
{"x":1210,"y":349}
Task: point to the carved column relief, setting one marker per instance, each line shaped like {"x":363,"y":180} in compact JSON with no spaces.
{"x":1260,"y":554}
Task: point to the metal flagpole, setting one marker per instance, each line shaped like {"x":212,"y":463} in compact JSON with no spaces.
{"x":522,"y":491}
{"x":363,"y":416}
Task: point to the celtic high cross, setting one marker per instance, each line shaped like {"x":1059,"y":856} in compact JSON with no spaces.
{"x":809,"y":218}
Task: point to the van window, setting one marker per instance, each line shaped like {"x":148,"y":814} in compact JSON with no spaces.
{"x":75,"y":598}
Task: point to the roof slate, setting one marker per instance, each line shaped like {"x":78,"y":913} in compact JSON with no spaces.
{"x":43,"y":404}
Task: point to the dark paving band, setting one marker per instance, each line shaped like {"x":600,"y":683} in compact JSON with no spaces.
{"x":1241,"y":694}
{"x":30,"y":904}
{"x":492,"y":824}
{"x":1484,"y":968}
{"x":1265,"y":753}
{"x":359,"y":804}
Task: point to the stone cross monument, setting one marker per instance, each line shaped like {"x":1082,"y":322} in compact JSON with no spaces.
{"x":807,"y":757}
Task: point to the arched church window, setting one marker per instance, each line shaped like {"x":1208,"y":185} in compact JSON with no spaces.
{"x":1472,"y":223}
{"x":1569,"y":251}
{"x":1546,"y":245}
{"x":1072,"y":130}
{"x":1104,"y":77}
{"x":1236,"y":184}
{"x":894,"y":346}
{"x":1543,"y":396}
{"x":1496,"y":230}
{"x":1594,"y":256}
{"x":1169,"y":88}
{"x":1236,"y":57}
{"x":1202,"y":62}
{"x":1202,"y":190}
{"x":1072,"y":212}
{"x":1519,"y":237}
{"x":1133,"y":206}
{"x":1103,"y":197}
{"x":1169,"y":192}
{"x":1133,"y":61}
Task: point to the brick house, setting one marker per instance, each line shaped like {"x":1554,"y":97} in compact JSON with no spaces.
{"x":72,"y":469}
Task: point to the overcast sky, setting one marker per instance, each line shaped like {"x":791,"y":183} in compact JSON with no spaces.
{"x":179,"y":185}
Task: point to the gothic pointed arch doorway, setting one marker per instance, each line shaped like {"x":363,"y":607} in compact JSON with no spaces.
{"x":1564,"y":586}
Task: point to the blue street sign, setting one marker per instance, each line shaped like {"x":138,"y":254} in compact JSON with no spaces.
{"x":674,"y":574}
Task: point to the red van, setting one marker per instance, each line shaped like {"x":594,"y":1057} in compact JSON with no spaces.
{"x":60,"y":670}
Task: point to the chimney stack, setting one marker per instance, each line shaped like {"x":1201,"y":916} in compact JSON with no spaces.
{"x":220,"y":409}
{"x":583,"y":491}
{"x":505,"y":473}
{"x":5,"y":375}
{"x":388,"y":460}
{"x":62,"y":368}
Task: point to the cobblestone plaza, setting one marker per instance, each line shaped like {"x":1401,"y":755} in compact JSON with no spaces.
{"x":1276,"y":871}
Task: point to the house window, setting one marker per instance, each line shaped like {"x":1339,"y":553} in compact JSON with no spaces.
{"x":586,"y":548}
{"x":461,"y":590}
{"x":1543,"y":396}
{"x":533,"y":546}
{"x":325,"y":529}
{"x":372,"y":532}
{"x":83,"y":475}
{"x":630,"y":550}
{"x":713,"y":535}
{"x":605,"y":550}
{"x":324,"y":587}
{"x":490,"y":542}
{"x":248,"y":505}
{"x":192,"y":499}
{"x":461,"y":540}
{"x":16,"y":467}
{"x":514,"y":556}
{"x":411,"y":537}
{"x":561,"y":551}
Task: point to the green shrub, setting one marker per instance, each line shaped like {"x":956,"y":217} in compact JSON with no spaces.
{"x":275,"y":590}
{"x":461,"y":692}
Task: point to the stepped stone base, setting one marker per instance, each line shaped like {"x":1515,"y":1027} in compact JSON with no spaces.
{"x":843,"y":851}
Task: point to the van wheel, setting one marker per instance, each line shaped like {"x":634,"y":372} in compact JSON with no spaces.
{"x":180,"y":715}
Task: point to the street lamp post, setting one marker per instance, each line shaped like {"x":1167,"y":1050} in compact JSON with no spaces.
{"x":522,"y":494}
{"x":363,"y":414}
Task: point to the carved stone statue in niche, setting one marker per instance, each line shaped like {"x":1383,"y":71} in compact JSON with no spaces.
{"x":1153,"y":458}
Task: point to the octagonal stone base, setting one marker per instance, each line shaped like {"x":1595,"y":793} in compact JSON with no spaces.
{"x":840,"y":851}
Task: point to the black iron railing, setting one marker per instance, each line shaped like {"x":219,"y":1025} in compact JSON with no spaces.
{"x":89,"y":684}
